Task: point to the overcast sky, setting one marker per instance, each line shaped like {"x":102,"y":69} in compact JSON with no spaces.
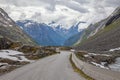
{"x":65,"y":12}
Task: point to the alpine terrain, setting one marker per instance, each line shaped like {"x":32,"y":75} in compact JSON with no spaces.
{"x":10,"y":32}
{"x":47,"y":35}
{"x":60,"y":40}
{"x":103,"y":35}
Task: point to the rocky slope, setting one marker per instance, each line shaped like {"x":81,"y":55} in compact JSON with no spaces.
{"x":102,"y":36}
{"x":10,"y":32}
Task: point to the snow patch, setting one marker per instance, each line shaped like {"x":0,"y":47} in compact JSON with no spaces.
{"x":115,"y":49}
{"x":92,"y":54}
{"x":86,"y":55}
{"x":99,"y":65}
{"x":13,"y":55}
{"x":28,"y":24}
{"x":3,"y":64}
{"x":72,"y":50}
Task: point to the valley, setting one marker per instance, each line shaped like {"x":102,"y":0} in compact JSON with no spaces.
{"x":46,"y":35}
{"x":66,"y":44}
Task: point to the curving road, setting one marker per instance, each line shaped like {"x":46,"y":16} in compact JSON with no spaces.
{"x":56,"y":67}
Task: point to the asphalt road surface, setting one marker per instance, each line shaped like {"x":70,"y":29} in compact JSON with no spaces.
{"x":56,"y":67}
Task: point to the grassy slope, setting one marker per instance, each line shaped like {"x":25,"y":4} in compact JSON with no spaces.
{"x":108,"y":30}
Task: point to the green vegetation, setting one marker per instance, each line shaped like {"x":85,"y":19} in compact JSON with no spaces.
{"x":76,"y":69}
{"x":108,"y":28}
{"x":112,"y":26}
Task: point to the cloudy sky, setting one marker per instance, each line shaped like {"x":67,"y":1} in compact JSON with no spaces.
{"x":65,"y":12}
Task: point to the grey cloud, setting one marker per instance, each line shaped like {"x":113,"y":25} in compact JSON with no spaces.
{"x":92,"y":8}
{"x":22,"y":16}
{"x":98,"y":6}
{"x":77,"y":8}
{"x":51,"y":4}
{"x":36,"y":15}
{"x":23,"y":3}
{"x":82,"y":1}
{"x":112,"y":3}
{"x":66,"y":3}
{"x":74,"y":6}
{"x":60,"y":18}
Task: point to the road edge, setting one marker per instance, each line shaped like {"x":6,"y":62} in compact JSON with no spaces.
{"x":79,"y":71}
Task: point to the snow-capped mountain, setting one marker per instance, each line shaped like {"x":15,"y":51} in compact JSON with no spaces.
{"x":48,"y":34}
{"x":41,"y":33}
{"x":67,"y":33}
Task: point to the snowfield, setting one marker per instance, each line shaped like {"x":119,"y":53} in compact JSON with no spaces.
{"x":13,"y":55}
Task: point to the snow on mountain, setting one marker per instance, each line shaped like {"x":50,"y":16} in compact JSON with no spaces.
{"x":41,"y":33}
{"x":74,"y":29}
{"x":51,"y":34}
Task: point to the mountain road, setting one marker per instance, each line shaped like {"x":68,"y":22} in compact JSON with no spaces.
{"x":55,"y":67}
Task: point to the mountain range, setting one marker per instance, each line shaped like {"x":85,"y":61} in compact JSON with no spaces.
{"x":46,"y":35}
{"x":103,"y":35}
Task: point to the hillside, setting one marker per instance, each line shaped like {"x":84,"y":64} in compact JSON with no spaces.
{"x":73,"y":39}
{"x":10,"y":32}
{"x":104,"y":35}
